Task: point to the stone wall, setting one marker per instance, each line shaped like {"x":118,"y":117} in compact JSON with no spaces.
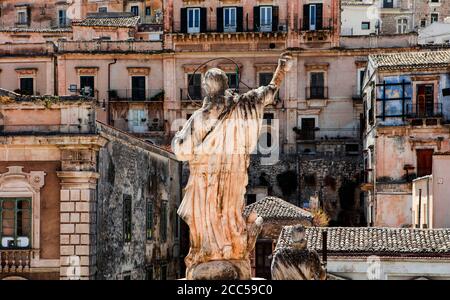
{"x":129,"y":166}
{"x":334,"y":179}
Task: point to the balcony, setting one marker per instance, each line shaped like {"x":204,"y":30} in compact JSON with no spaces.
{"x":424,"y":111}
{"x":109,"y":46}
{"x":15,"y":261}
{"x":211,"y":27}
{"x":316,"y":92}
{"x":194,"y":93}
{"x":327,"y":25}
{"x":25,"y":130}
{"x":137,"y":95}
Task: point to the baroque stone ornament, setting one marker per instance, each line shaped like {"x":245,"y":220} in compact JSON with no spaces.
{"x":217,"y":141}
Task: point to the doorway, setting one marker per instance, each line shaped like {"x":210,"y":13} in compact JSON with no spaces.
{"x":263,"y":251}
{"x":424,"y":162}
{"x":138,"y":88}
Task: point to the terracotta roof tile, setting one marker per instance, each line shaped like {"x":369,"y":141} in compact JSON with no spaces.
{"x":381,"y":241}
{"x":272,"y":208}
{"x":108,"y":21}
{"x":416,"y":60}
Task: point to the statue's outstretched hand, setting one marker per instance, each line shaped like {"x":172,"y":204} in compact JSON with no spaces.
{"x":286,"y":61}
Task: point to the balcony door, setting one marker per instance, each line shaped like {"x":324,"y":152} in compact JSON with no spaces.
{"x":193,"y":20}
{"x":27,"y":86}
{"x":138,"y":88}
{"x":308,"y":132}
{"x":265,"y":20}
{"x":312,"y":17}
{"x":87,"y":85}
{"x":424,"y":162}
{"x":195,"y":86}
{"x":317,"y":89}
{"x":425,"y":100}
{"x":229,"y":19}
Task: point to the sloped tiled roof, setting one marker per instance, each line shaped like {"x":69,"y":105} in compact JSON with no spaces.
{"x":380,"y":241}
{"x":109,"y":21}
{"x":273,"y":208}
{"x":416,"y":60}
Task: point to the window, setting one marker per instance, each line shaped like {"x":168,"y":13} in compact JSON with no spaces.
{"x":424,"y":162}
{"x":193,"y":20}
{"x":87,"y":85}
{"x":317,"y":88}
{"x":265,"y":78}
{"x":135,"y":10}
{"x":195,"y":86}
{"x":434,"y":18}
{"x":313,"y":16}
{"x":361,"y":73}
{"x":27,"y":86}
{"x":352,"y":149}
{"x":229,"y":19}
{"x":149,"y":220}
{"x":148,"y":11}
{"x":308,"y":130}
{"x":138,"y":88}
{"x":423,"y":23}
{"x":232,"y":80}
{"x":365,"y":25}
{"x":425,"y":100}
{"x":163,"y":225}
{"x":263,"y":252}
{"x":388,"y":3}
{"x":22,"y":17}
{"x":402,"y":25}
{"x":62,"y":18}
{"x":265,"y":21}
{"x":103,"y":9}
{"x":127,"y":214}
{"x":15,"y":220}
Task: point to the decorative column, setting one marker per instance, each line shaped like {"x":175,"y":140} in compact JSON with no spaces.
{"x":78,"y":223}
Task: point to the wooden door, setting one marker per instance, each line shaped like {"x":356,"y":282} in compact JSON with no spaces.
{"x":424,"y":162}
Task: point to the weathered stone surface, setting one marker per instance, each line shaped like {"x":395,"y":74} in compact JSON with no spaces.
{"x":215,"y":270}
{"x":217,"y":141}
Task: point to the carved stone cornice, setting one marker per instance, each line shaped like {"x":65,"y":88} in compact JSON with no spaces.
{"x":87,"y":70}
{"x":27,"y":71}
{"x":144,"y":71}
{"x":317,"y":66}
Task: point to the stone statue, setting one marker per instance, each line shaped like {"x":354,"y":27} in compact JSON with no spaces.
{"x":294,"y":261}
{"x":217,"y":141}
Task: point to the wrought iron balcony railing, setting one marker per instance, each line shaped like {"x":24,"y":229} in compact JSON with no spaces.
{"x":154,"y":95}
{"x":427,"y":110}
{"x":316,"y":92}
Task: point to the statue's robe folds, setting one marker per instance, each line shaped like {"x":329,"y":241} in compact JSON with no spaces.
{"x":214,"y":196}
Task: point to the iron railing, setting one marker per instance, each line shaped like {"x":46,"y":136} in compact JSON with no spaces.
{"x":327,"y":24}
{"x":212,"y":27}
{"x":316,"y":92}
{"x":154,"y":95}
{"x":426,"y":110}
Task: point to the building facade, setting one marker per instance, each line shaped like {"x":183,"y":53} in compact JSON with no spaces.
{"x":407,"y":122}
{"x":59,"y":198}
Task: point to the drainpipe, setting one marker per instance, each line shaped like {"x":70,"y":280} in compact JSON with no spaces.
{"x":108,"y":118}
{"x":420,"y":208}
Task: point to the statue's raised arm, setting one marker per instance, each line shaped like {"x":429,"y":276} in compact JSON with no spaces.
{"x":266,"y":94}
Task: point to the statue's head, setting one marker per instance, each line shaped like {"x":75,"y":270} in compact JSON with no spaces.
{"x":215,"y":83}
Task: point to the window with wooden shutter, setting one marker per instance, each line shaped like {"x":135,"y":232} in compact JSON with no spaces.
{"x":256,"y":18}
{"x":319,"y":16}
{"x":220,"y":24}
{"x":275,"y":18}
{"x":203,"y":20}
{"x":183,"y":19}
{"x":240,"y":19}
{"x":306,"y":17}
